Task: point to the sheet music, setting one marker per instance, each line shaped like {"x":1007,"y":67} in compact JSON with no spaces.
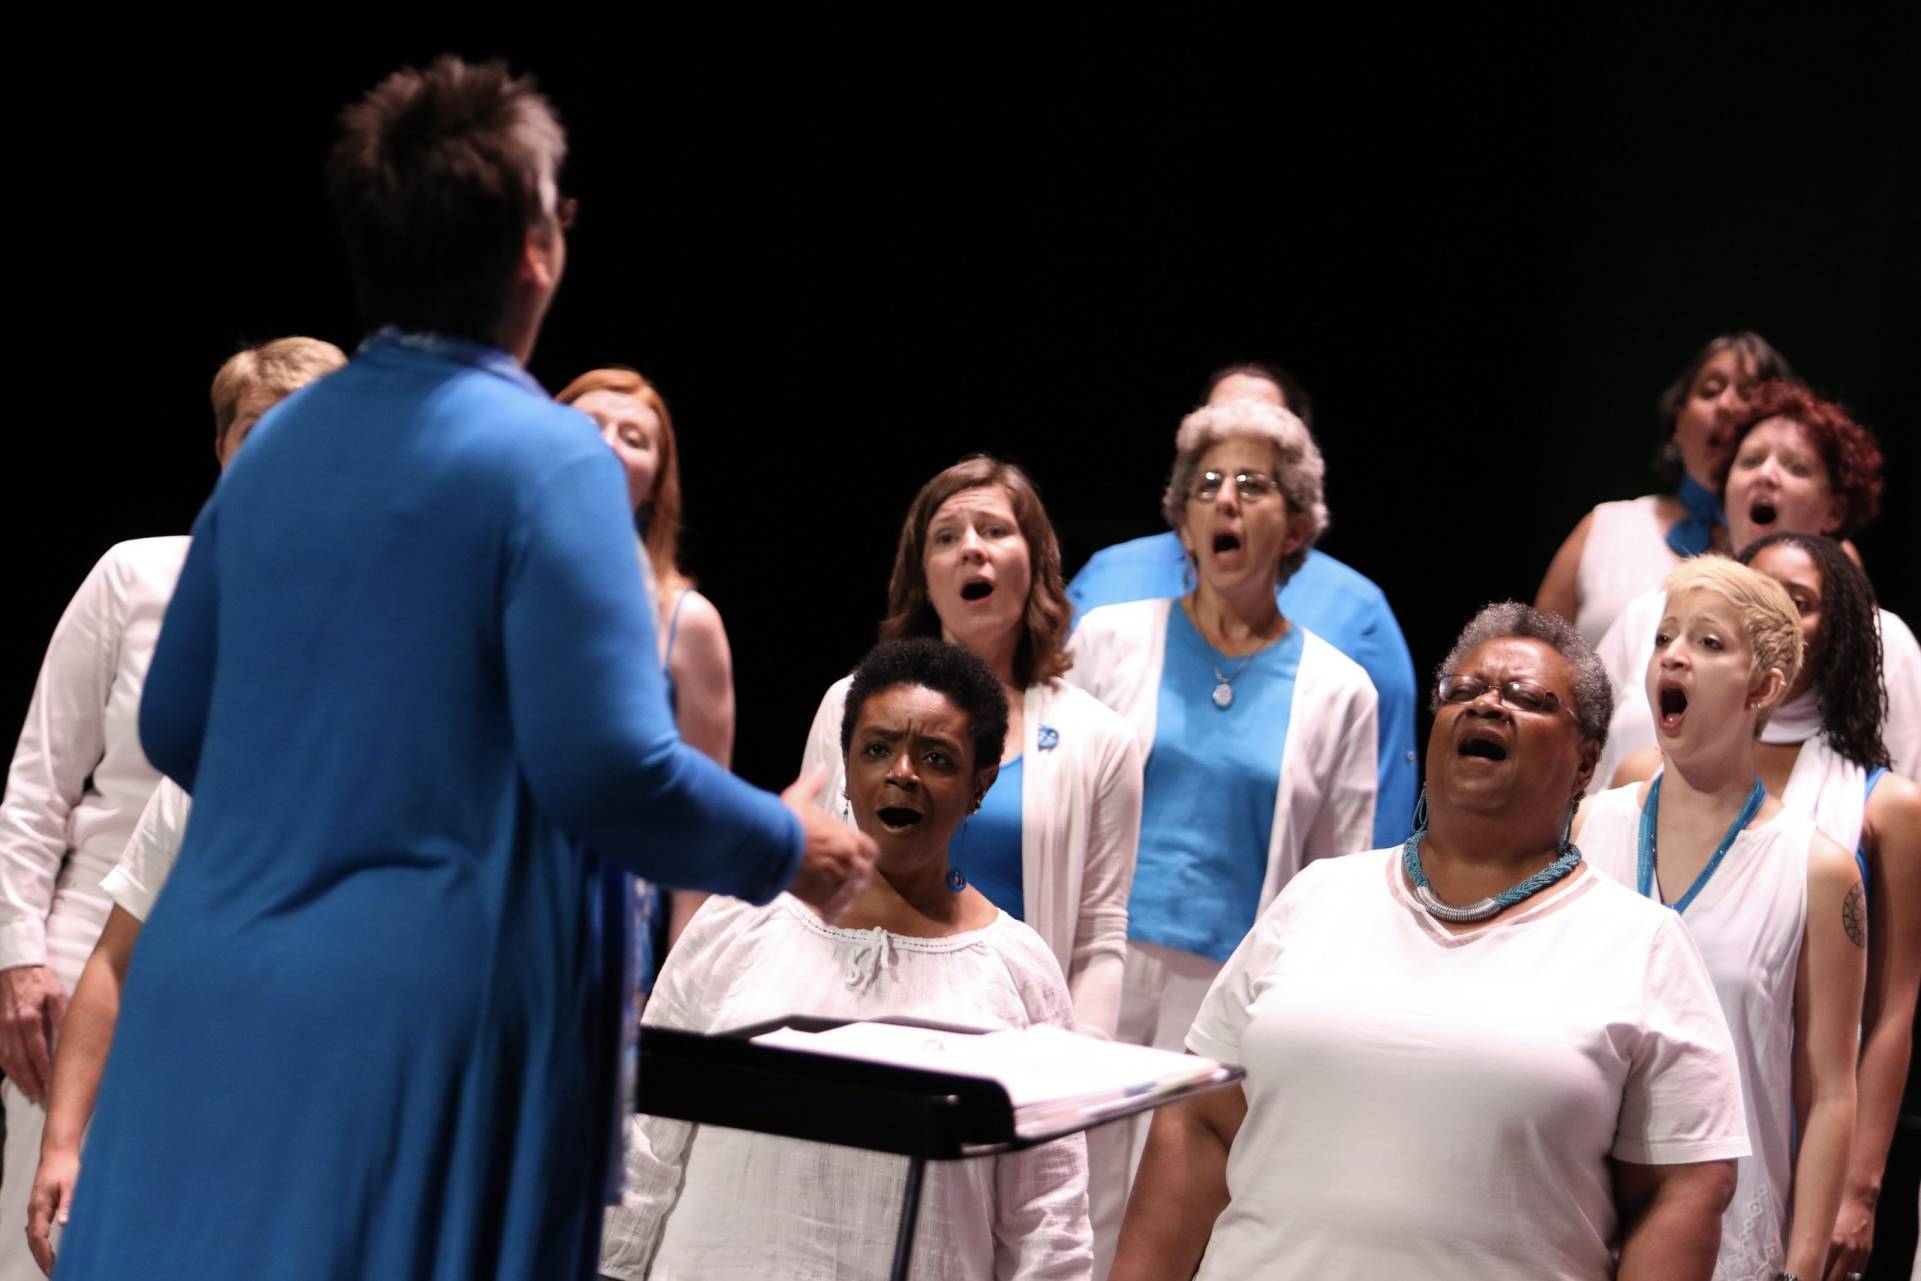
{"x":1052,"y":1076}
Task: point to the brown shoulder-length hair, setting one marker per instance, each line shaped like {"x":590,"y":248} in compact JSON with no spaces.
{"x":1042,"y":653}
{"x":659,"y":517}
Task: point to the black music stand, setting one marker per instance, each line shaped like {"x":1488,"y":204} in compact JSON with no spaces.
{"x":728,"y":1080}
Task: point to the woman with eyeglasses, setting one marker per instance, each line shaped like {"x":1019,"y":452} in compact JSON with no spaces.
{"x":1822,"y":752}
{"x":1259,"y":737}
{"x":1621,"y":549}
{"x":1796,"y":464}
{"x":1467,"y":1057}
{"x":1775,"y":906}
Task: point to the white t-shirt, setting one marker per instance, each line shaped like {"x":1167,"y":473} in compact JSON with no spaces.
{"x":703,"y":1202}
{"x":1443,"y":1106}
{"x":136,"y":880}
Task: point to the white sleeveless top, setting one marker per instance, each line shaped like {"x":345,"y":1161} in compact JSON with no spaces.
{"x":1626,"y":553}
{"x":1748,"y":921}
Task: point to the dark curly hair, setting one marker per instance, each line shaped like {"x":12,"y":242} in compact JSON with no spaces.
{"x":948,"y":670}
{"x":1848,"y":450}
{"x":1846,"y":655}
{"x":1041,"y":653}
{"x":1756,"y":353}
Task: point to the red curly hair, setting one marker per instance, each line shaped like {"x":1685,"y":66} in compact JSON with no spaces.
{"x":1848,"y":450}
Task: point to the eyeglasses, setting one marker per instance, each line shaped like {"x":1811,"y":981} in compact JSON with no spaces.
{"x":1252,"y":486}
{"x":1523,"y":695}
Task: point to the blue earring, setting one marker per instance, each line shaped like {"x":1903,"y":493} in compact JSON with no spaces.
{"x":955,"y":881}
{"x":1420,"y":810}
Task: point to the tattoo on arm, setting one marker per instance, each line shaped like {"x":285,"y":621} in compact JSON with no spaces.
{"x":1854,"y":916}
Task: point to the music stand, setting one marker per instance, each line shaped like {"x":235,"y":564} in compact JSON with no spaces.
{"x":728,"y":1080}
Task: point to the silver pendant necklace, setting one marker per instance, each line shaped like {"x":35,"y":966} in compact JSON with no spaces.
{"x":1224,"y":685}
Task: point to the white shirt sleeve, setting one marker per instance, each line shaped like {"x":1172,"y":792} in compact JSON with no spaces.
{"x":1229,"y":1003}
{"x":136,"y":880}
{"x":1682,"y":1100}
{"x":62,"y":741}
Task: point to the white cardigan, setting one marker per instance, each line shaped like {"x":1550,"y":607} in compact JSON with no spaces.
{"x":1324,"y":802}
{"x":1080,"y":822}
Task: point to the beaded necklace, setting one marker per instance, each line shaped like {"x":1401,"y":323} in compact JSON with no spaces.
{"x":1644,"y":870}
{"x":1567,"y":861}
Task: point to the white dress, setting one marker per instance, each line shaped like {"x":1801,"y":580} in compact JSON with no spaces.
{"x":1625,"y":554}
{"x":704,"y":1203}
{"x":1444,"y":1106}
{"x":1749,"y":920}
{"x":1629,"y":645}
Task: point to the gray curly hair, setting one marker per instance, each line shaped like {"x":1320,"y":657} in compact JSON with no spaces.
{"x":1593,"y":695}
{"x":1298,"y":467}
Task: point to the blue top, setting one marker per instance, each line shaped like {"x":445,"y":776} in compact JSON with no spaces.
{"x":1337,"y":603}
{"x":373,"y":1025}
{"x":1207,"y":803}
{"x":987,"y":848}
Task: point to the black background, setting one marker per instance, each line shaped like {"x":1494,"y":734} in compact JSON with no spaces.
{"x":849,"y":257}
{"x":851,"y":251}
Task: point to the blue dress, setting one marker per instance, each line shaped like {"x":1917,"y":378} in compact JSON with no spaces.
{"x":410,"y":679}
{"x":1331,"y":599}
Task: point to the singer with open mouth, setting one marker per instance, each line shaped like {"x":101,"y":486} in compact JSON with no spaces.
{"x":1797,"y":464}
{"x":1468,"y":1058}
{"x":921,"y":729}
{"x":1775,"y":906}
{"x":1259,"y":736}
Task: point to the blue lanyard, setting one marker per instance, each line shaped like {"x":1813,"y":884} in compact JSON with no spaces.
{"x":461,"y":351}
{"x":1645,"y":870}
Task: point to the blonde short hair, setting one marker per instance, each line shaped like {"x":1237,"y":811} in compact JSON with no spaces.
{"x":1768,"y":616}
{"x":282,"y":366}
{"x":1298,"y":467}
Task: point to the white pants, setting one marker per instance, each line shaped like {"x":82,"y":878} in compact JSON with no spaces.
{"x":1161,"y":993}
{"x":79,"y":914}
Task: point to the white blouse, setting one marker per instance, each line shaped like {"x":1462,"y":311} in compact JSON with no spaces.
{"x":79,"y":778}
{"x":135,"y":882}
{"x":704,"y":1202}
{"x":1444,"y":1106}
{"x":1626,"y":553}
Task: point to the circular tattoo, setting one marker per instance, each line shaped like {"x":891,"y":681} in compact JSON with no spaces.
{"x":1854,"y":916}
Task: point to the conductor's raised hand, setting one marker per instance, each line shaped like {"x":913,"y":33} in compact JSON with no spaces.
{"x":837,"y":858}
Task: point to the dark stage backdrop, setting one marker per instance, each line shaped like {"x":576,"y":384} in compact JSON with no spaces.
{"x":850,"y":256}
{"x":1484,"y":254}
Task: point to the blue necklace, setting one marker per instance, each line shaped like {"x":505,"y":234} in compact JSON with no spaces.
{"x":1569,"y":858}
{"x":1644,"y":871}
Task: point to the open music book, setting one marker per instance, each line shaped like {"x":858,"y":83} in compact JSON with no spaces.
{"x":1058,"y":1081}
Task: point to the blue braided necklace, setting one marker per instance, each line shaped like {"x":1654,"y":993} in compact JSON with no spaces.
{"x":1567,"y":861}
{"x":1644,"y":868}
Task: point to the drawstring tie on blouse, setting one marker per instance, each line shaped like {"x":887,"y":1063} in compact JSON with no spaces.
{"x":866,"y":958}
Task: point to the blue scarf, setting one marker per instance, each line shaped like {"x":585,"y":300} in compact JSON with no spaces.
{"x":1694,"y":532}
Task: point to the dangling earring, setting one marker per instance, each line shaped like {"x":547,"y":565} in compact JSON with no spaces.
{"x":955,"y":881}
{"x":1420,"y":810}
{"x":1567,"y":828}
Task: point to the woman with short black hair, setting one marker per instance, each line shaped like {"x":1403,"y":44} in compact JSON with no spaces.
{"x":920,"y":735}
